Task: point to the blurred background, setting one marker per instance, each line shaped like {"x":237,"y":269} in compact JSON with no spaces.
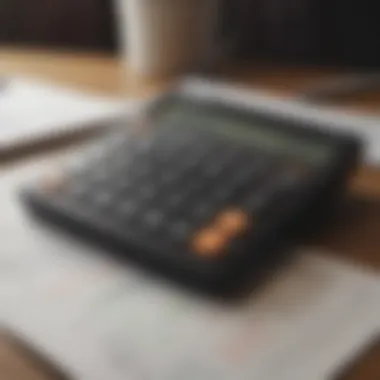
{"x":331,"y":32}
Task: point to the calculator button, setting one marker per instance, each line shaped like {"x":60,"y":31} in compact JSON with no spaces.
{"x":144,"y":141}
{"x":255,"y":202}
{"x":124,"y":187}
{"x":147,"y":192}
{"x":210,"y":243}
{"x":292,"y":176}
{"x":175,"y":200}
{"x":213,"y":170}
{"x":168,"y":177}
{"x":117,"y":165}
{"x":233,"y":222}
{"x":134,"y":173}
{"x":189,"y":190}
{"x":245,"y":173}
{"x":203,"y":211}
{"x":79,"y":190}
{"x":153,"y":219}
{"x":200,"y":153}
{"x":127,"y":209}
{"x":224,"y":194}
{"x":180,"y":230}
{"x":102,"y":199}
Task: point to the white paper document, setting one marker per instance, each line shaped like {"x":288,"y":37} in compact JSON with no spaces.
{"x":32,"y":110}
{"x":101,"y":321}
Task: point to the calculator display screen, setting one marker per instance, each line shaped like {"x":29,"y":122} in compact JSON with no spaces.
{"x":189,"y":114}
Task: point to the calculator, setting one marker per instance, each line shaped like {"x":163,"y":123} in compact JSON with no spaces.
{"x":200,"y":186}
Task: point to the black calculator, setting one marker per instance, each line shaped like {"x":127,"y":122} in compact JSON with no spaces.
{"x":200,"y":188}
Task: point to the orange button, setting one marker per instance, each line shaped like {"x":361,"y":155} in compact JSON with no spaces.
{"x":210,"y":243}
{"x":233,"y":221}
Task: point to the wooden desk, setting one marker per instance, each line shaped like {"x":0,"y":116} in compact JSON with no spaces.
{"x":356,"y":234}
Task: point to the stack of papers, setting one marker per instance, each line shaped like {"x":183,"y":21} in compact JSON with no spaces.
{"x":31,"y":111}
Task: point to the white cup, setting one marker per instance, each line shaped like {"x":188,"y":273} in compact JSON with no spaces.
{"x":166,"y":37}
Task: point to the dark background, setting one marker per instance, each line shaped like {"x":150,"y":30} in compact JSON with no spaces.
{"x":83,"y":24}
{"x":334,"y":32}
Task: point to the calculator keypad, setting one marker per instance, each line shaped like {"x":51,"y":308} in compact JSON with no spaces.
{"x":189,"y":191}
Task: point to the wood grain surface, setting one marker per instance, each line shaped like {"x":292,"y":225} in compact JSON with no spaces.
{"x":355,"y":234}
